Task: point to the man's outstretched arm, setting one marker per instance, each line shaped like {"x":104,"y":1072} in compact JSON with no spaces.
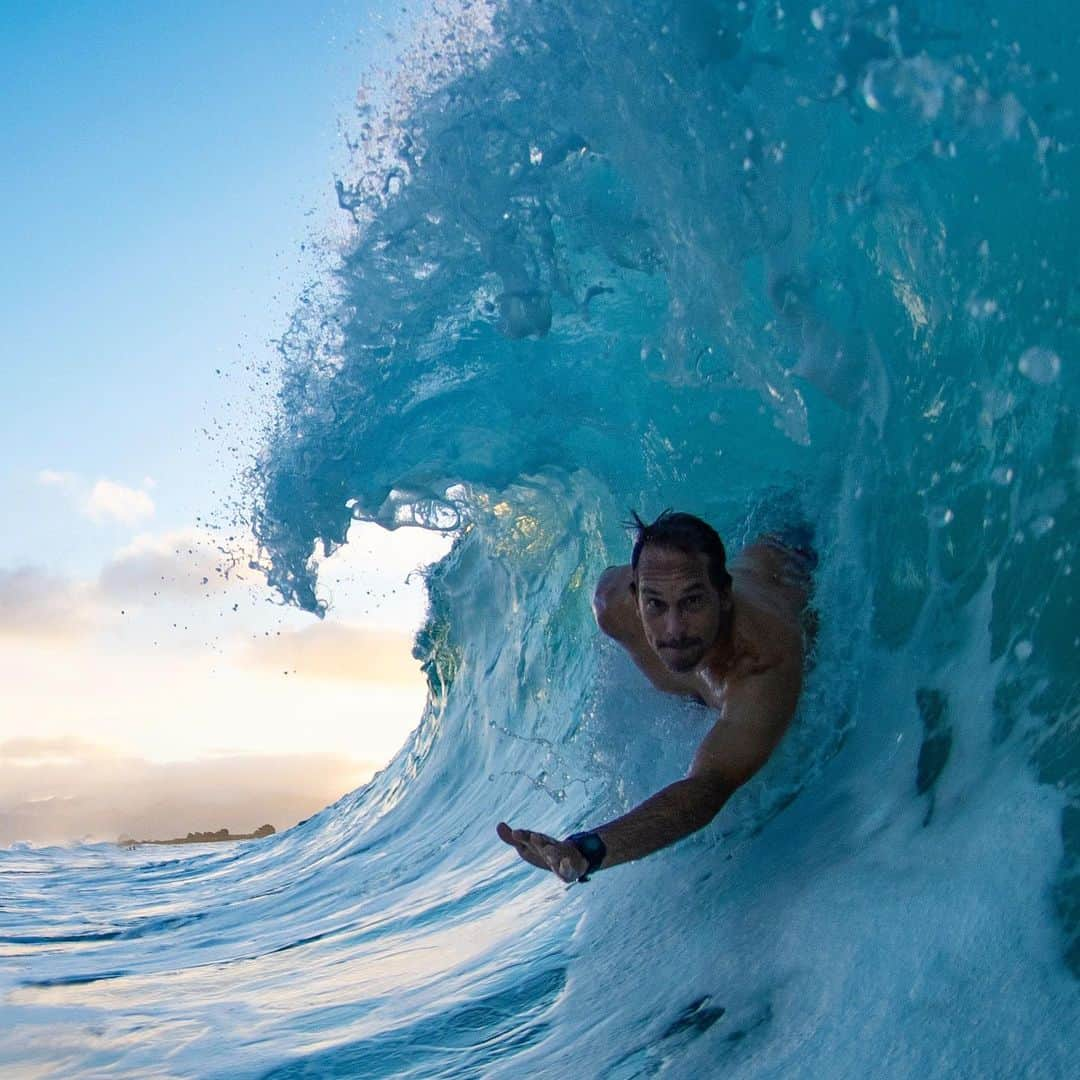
{"x":755,"y":717}
{"x":669,"y":815}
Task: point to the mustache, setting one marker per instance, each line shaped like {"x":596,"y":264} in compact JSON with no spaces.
{"x":680,"y":643}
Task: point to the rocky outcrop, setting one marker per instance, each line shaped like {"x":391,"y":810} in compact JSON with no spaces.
{"x":204,"y":837}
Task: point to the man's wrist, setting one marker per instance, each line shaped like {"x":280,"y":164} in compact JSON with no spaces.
{"x":592,"y":849}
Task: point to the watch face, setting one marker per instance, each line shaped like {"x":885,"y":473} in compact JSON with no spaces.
{"x":591,"y":845}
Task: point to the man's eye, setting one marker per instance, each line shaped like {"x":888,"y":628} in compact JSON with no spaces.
{"x":692,"y":603}
{"x":653,"y":605}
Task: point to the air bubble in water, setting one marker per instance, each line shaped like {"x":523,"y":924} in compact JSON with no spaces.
{"x":1002,"y":476}
{"x":1040,"y":365}
{"x":817,"y":17}
{"x":1022,"y":650}
{"x":1042,"y":525}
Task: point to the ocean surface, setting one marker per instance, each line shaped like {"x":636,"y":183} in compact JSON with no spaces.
{"x":748,"y":259}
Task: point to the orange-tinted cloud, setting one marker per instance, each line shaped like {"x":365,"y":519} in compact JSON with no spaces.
{"x":62,"y":800}
{"x":329,"y":650}
{"x":63,"y":749}
{"x":186,"y":563}
{"x":37,"y":604}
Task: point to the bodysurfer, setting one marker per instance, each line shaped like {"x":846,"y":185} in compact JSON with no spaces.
{"x":732,"y":637}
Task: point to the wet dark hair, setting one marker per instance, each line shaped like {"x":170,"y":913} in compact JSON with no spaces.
{"x":684,"y":533}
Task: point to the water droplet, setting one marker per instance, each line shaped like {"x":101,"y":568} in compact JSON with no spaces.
{"x":1002,"y":476}
{"x":817,"y":17}
{"x":1040,"y":365}
{"x":1022,"y":650}
{"x":1042,"y":525}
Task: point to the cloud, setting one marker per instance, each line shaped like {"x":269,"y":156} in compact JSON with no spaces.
{"x":35,"y":603}
{"x":28,"y":750}
{"x":110,"y":501}
{"x":99,"y":794}
{"x":107,"y":500}
{"x":329,"y":650}
{"x":52,"y":478}
{"x":188,"y":562}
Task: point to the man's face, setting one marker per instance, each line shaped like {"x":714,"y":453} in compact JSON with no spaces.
{"x":681,"y":610}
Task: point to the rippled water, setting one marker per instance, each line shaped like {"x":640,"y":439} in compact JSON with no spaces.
{"x":737,"y":258}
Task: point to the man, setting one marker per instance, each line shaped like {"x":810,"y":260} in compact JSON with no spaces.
{"x":733,"y":641}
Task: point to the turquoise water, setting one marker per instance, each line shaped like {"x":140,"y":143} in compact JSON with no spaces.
{"x":747,"y":260}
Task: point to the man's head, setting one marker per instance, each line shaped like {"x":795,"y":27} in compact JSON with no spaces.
{"x":682,"y":587}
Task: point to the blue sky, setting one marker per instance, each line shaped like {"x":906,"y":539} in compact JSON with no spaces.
{"x":167,"y":168}
{"x":164,"y":164}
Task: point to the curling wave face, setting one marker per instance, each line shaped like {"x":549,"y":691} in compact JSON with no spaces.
{"x":748,"y":260}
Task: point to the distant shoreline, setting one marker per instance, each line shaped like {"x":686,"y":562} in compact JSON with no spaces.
{"x":218,"y":837}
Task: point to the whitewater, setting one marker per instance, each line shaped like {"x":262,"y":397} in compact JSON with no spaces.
{"x":746,"y":259}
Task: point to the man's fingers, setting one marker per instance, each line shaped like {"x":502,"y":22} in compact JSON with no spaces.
{"x":543,"y":851}
{"x":522,"y":837}
{"x":522,"y":840}
{"x":513,"y":836}
{"x":518,"y":838}
{"x":530,"y":856}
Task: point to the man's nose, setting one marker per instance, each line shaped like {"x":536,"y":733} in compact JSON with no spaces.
{"x":672,"y":624}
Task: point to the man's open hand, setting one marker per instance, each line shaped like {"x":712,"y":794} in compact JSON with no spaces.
{"x":559,"y":856}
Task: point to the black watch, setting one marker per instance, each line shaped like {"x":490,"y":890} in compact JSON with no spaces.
{"x":592,"y":847}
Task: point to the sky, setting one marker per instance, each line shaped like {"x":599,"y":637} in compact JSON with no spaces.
{"x":168,"y":191}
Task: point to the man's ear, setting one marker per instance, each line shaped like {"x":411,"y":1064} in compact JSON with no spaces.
{"x":633,"y":588}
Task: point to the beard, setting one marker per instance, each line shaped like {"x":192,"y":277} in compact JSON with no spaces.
{"x":683,"y":656}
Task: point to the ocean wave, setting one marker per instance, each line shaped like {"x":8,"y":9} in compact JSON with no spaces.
{"x":745,"y":260}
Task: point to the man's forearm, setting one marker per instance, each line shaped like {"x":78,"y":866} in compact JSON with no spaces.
{"x":669,"y":815}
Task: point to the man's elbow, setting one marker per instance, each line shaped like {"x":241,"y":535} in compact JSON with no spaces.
{"x":705,"y":798}
{"x":722,"y":779}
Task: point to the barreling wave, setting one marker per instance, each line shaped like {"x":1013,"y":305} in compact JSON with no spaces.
{"x":750,"y":260}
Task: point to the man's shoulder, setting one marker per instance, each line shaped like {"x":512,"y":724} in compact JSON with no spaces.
{"x":763,"y":556}
{"x":787,"y":559}
{"x":613,"y":579}
{"x":768,"y":641}
{"x":773,"y":579}
{"x":613,"y":603}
